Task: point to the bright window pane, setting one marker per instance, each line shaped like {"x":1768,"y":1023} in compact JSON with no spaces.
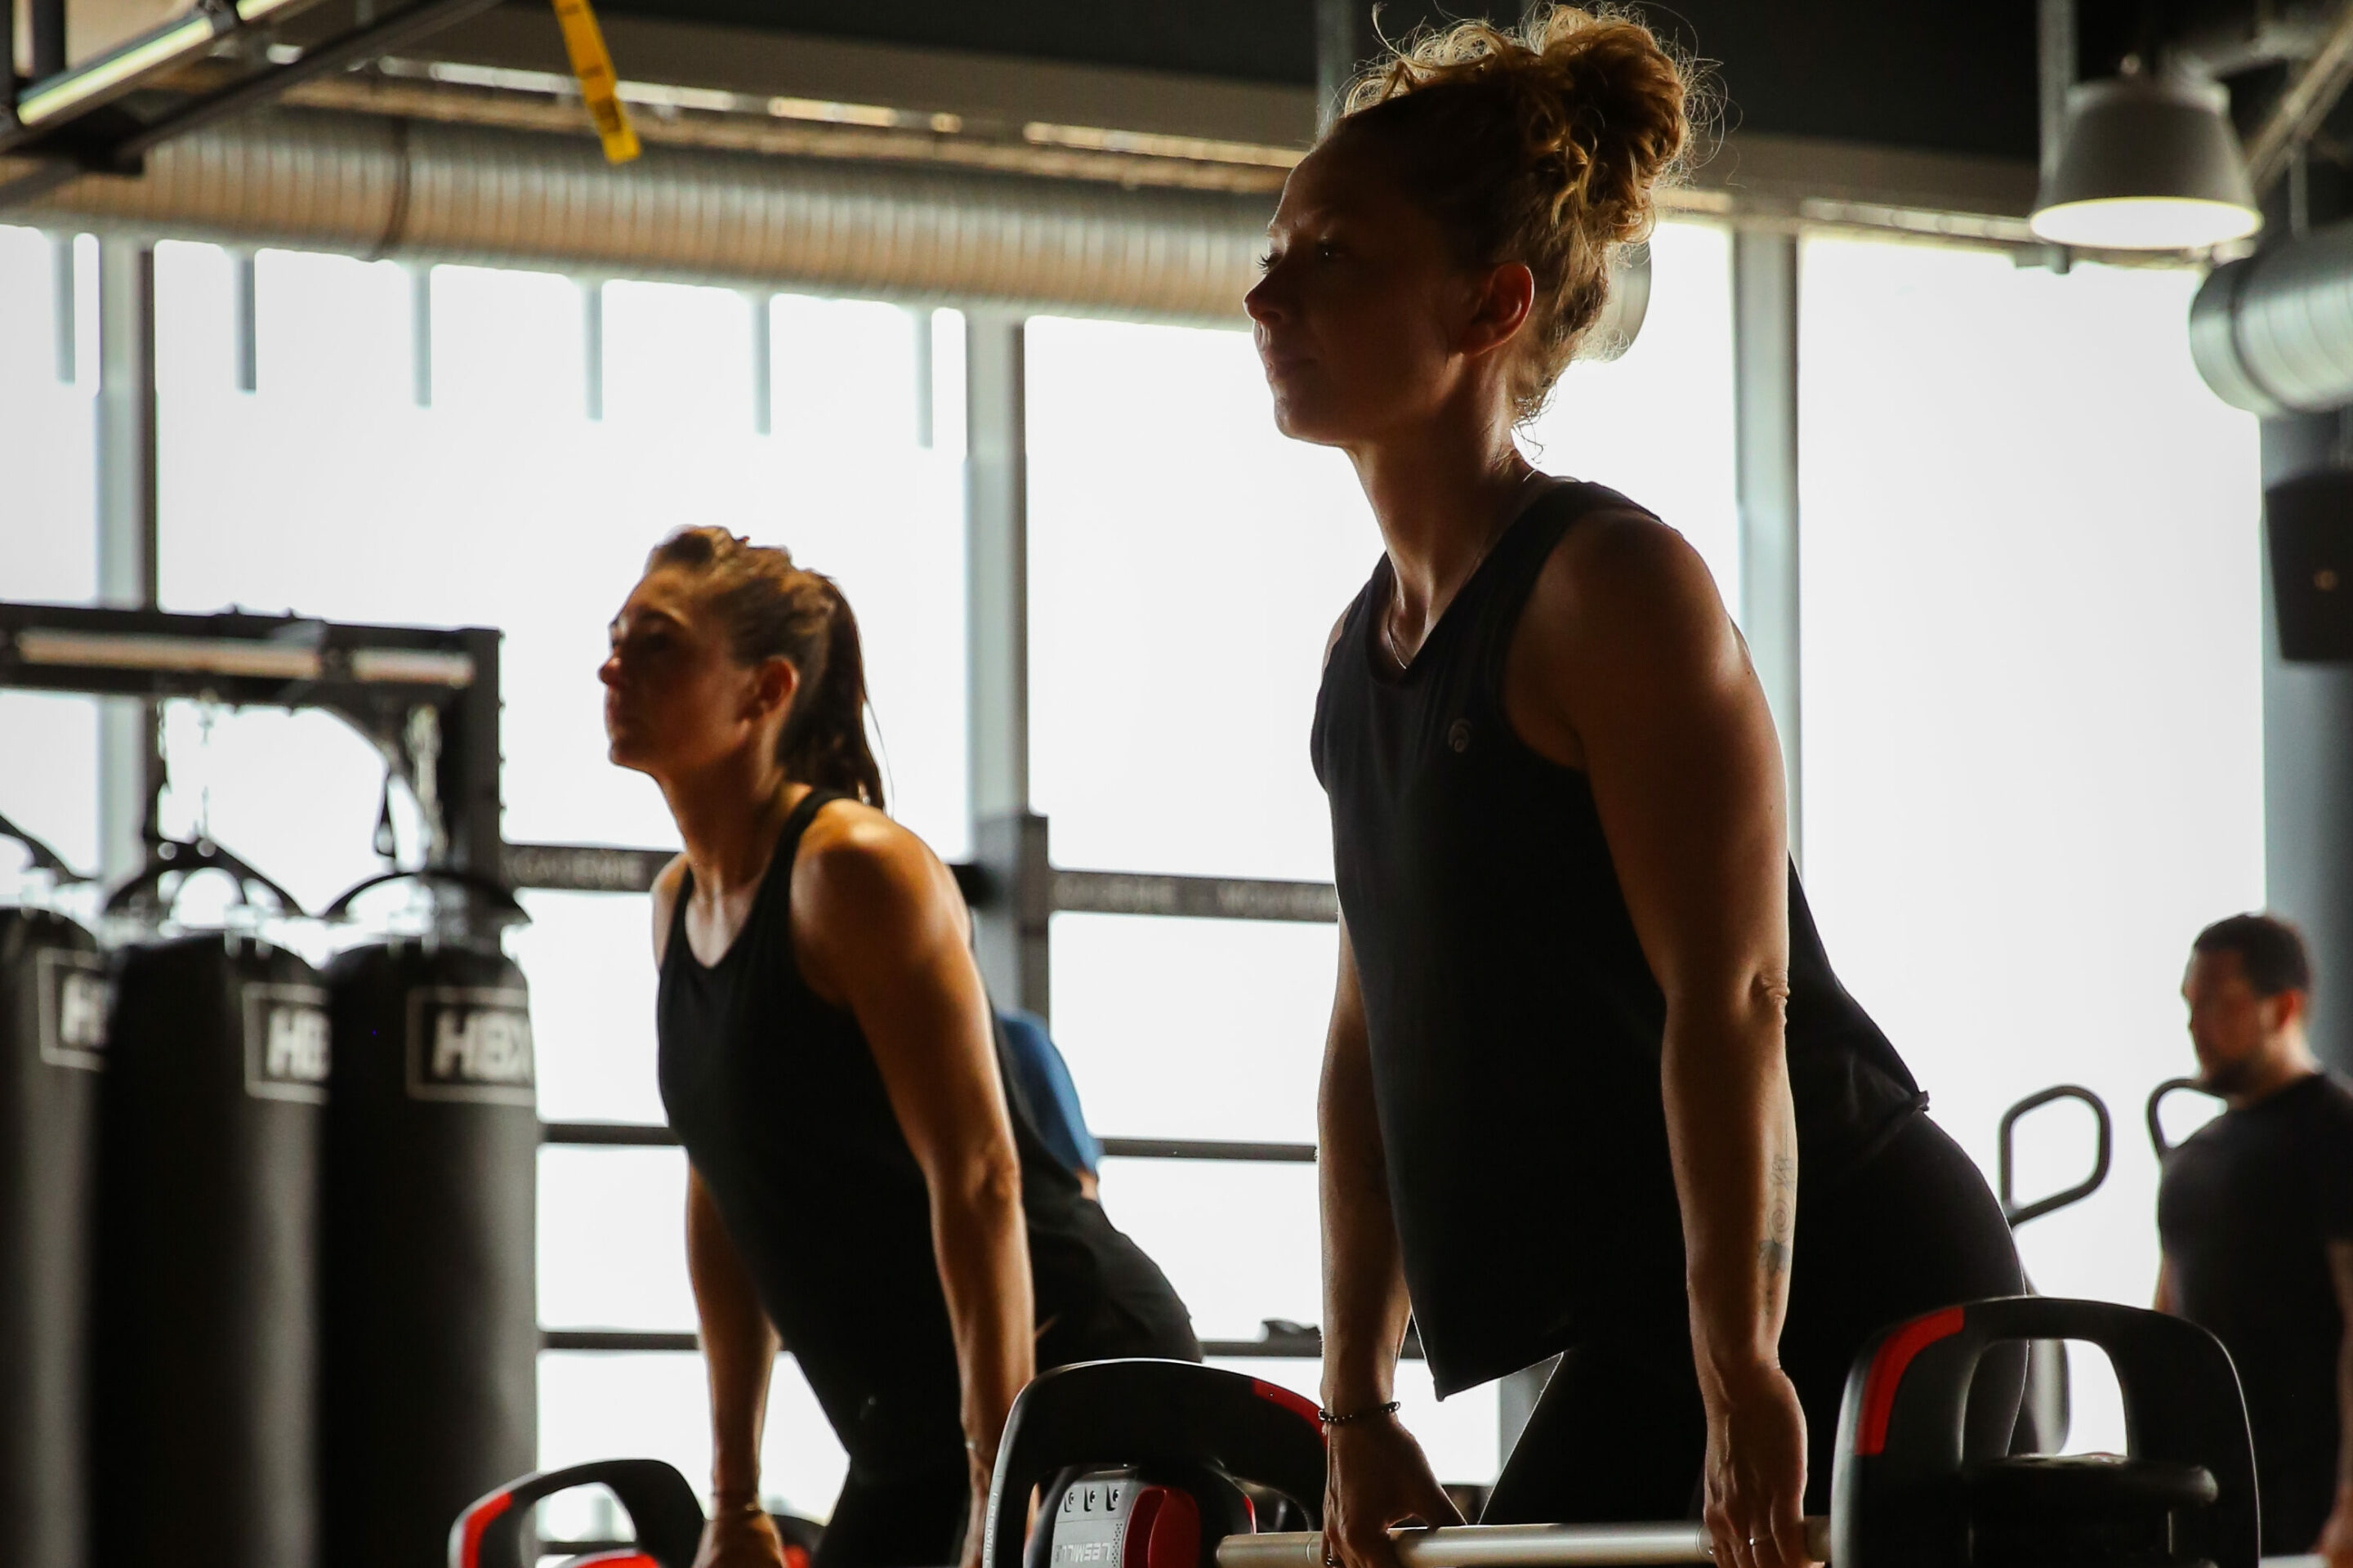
{"x":48,"y":550}
{"x":2032,"y":693}
{"x":505,"y":506}
{"x":612,"y":1239}
{"x":677,"y":358}
{"x":1186,"y":566}
{"x":1656,"y":423}
{"x":1194,"y":1028}
{"x":590,"y":962}
{"x":48,"y":541}
{"x":601,"y":1406}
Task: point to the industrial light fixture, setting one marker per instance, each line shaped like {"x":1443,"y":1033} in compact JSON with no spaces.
{"x":2147,"y":163}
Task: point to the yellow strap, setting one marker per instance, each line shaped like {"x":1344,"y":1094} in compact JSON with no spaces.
{"x":584,"y":42}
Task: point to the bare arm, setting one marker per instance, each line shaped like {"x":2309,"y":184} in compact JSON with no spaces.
{"x":2336,"y":1541}
{"x":1650,"y":685}
{"x":879,"y":927}
{"x":1365,"y":1305}
{"x":739,"y":1347}
{"x":2165,"y":1301}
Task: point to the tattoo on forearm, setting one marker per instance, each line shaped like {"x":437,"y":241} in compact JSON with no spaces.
{"x":1781,"y":1190}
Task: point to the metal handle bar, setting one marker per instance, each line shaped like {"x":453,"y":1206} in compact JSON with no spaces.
{"x":1542,"y":1546}
{"x":2157,"y":1138}
{"x":2017,"y":1213}
{"x":1510,"y":1546}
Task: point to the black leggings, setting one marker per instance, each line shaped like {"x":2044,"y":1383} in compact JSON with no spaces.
{"x":911,"y":1514}
{"x":1620,"y":1432}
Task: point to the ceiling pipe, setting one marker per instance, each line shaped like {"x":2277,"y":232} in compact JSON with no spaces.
{"x":2274,"y":333}
{"x":379,"y":187}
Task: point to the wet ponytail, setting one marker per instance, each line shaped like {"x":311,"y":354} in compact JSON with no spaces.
{"x":775,"y":610}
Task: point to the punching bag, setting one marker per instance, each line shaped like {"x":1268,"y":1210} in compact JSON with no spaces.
{"x":431,"y":1310}
{"x":207,"y":1343}
{"x":52,"y":1044}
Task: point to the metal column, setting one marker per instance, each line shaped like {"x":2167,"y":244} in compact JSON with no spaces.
{"x":1765,"y":367}
{"x":1008,"y":839}
{"x":1344,"y":39}
{"x":129,"y":572}
{"x":2308,"y":773}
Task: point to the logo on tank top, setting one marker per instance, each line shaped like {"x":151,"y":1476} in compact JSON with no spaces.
{"x":470,"y":1044}
{"x":1458,"y":736}
{"x":73,"y":996}
{"x":286,"y":1043}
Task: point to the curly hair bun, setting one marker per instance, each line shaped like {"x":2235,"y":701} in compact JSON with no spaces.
{"x":1545,"y":146}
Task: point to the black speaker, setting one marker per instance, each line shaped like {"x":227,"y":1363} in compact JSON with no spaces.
{"x":2308,"y":526}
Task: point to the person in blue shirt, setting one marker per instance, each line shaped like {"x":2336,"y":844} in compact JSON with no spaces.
{"x":1043,"y":1080}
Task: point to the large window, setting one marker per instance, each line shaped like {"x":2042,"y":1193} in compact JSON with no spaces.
{"x":2031,"y":716}
{"x":2032,"y":693}
{"x":49,"y":543}
{"x":504,"y":503}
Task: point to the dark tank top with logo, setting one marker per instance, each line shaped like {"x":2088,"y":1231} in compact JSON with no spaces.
{"x":1513,"y":1022}
{"x":776,"y":1094}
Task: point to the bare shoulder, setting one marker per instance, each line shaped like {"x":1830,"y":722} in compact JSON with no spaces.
{"x":1626,"y":565}
{"x":1620,"y":587}
{"x":665,"y":890}
{"x":856,"y":867}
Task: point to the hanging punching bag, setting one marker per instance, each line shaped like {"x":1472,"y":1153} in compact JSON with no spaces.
{"x":431,"y":1325}
{"x":205,"y":1351}
{"x":52,"y":1044}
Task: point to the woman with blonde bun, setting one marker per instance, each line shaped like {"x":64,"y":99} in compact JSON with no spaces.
{"x":1591,"y":1087}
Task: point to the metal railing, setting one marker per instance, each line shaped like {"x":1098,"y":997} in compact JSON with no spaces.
{"x":1281,"y":1339}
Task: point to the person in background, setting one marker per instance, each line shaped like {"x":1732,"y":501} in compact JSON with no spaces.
{"x":1042,"y":1079}
{"x":2255,"y":1211}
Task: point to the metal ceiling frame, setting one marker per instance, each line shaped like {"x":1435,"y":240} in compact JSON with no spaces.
{"x":73,"y":119}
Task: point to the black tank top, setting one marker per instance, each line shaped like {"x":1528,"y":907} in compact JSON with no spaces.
{"x":776,"y":1097}
{"x":1515,"y":1026}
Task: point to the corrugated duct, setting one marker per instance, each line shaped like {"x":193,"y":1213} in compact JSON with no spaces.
{"x":2274,"y":333}
{"x":376,"y":186}
{"x":379,"y":187}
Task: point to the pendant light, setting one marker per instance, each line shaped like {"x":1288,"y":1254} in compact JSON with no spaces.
{"x":2147,"y":163}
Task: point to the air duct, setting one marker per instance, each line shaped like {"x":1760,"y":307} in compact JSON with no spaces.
{"x":2274,"y":333}
{"x":376,"y":186}
{"x":382,"y":187}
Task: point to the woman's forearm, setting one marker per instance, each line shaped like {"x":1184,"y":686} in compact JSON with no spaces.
{"x":739,"y":1347}
{"x":1732,"y":1130}
{"x":981,"y":1240}
{"x":1364,"y":1304}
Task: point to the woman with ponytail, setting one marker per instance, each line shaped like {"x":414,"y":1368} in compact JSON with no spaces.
{"x":1590,"y":1088}
{"x":861,"y":1182}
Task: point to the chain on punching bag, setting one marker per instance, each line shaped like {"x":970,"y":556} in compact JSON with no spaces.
{"x":205,"y":1352}
{"x":52,"y":1043}
{"x":431,"y":1321}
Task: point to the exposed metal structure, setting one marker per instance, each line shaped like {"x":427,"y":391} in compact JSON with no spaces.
{"x":2303,"y":104}
{"x":1765,"y":462}
{"x":2274,"y":333}
{"x":129,"y":534}
{"x":427,"y":698}
{"x":379,"y":187}
{"x":72,"y":118}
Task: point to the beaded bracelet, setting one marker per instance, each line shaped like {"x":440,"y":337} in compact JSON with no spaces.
{"x":1331,"y":1420}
